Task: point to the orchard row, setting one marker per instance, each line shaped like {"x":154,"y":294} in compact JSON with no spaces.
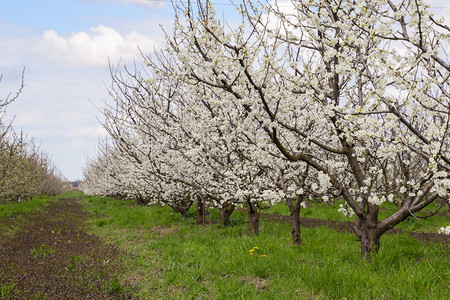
{"x":313,"y":99}
{"x":25,"y":171}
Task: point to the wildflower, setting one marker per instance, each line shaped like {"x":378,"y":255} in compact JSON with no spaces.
{"x":255,"y":250}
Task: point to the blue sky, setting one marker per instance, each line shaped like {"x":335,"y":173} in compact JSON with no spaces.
{"x":64,"y":46}
{"x":76,"y":15}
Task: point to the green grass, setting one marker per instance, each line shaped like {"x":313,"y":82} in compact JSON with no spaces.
{"x":15,"y":208}
{"x":169,"y":257}
{"x":8,"y":209}
{"x":325,"y":212}
{"x":74,"y":194}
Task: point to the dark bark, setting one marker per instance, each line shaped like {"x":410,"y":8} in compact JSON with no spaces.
{"x":368,"y":231}
{"x":370,"y":242}
{"x":141,"y":201}
{"x":225,"y":212}
{"x":295,"y":218}
{"x":253,"y":218}
{"x":200,"y":212}
{"x":181,"y":206}
{"x":398,"y":202}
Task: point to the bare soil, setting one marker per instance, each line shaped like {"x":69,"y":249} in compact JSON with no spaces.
{"x":52,"y":256}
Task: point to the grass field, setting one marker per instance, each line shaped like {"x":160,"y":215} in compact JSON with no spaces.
{"x":8,"y":209}
{"x":169,"y":257}
{"x":166,"y":256}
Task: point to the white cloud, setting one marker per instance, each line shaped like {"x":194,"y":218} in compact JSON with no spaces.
{"x":144,"y":3}
{"x":95,"y":47}
{"x":147,"y":3}
{"x":92,"y":132}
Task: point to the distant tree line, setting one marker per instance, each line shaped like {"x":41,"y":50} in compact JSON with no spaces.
{"x":76,"y":183}
{"x":25,"y":171}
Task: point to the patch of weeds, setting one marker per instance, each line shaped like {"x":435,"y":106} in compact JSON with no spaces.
{"x":41,"y":252}
{"x":113,"y":286}
{"x":69,"y":267}
{"x":101,"y":223}
{"x":257,"y":252}
{"x":33,"y":253}
{"x":73,"y":261}
{"x":6,"y":289}
{"x":76,"y":258}
{"x":38,"y":296}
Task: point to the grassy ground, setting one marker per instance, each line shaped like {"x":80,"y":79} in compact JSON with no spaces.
{"x":12,"y":208}
{"x":169,"y":257}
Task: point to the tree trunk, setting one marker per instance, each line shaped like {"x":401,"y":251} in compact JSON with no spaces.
{"x":253,"y":218}
{"x":370,"y":242}
{"x":295,"y":218}
{"x":399,"y":204}
{"x":225,"y":212}
{"x":181,"y":207}
{"x":141,"y":201}
{"x":200,"y":213}
{"x":368,"y":231}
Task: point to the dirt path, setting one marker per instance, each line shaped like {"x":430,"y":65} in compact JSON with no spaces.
{"x":52,"y":257}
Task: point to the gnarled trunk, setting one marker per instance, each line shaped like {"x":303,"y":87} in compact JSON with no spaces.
{"x":253,"y":218}
{"x":370,"y":242}
{"x":200,"y":212}
{"x":181,"y":206}
{"x":368,"y":231}
{"x":225,"y":212}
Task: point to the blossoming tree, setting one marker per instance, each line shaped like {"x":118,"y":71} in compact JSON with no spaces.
{"x":327,"y":85}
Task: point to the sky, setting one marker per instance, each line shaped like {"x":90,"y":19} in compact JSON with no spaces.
{"x":65,"y":46}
